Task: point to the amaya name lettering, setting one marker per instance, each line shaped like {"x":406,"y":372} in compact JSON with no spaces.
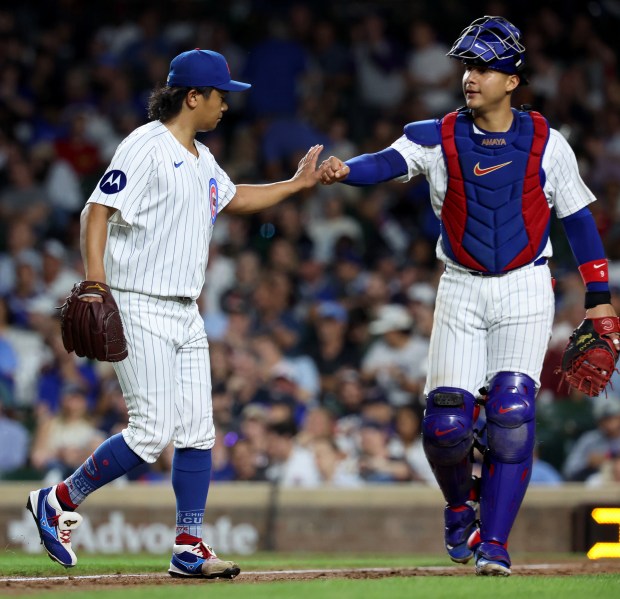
{"x":494,"y":141}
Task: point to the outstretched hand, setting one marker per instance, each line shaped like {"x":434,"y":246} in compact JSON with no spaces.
{"x":307,"y":174}
{"x":333,"y":170}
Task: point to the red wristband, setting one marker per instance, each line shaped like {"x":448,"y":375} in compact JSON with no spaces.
{"x":595,"y":271}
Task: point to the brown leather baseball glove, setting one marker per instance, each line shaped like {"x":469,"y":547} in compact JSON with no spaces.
{"x":590,"y":357}
{"x":93,"y":328}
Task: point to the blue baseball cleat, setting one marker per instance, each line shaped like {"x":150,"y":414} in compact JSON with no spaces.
{"x":54,"y":524}
{"x":200,"y":561}
{"x":492,"y":560}
{"x":460,"y":523}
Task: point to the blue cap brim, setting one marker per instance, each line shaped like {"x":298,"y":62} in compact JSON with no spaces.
{"x":233,"y":86}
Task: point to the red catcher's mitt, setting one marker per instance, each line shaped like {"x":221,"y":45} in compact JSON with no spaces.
{"x":590,"y":357}
{"x":92,"y":329}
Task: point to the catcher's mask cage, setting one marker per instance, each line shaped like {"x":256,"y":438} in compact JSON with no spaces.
{"x":492,"y":42}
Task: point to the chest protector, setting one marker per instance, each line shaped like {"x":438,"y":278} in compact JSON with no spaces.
{"x":495,"y":216}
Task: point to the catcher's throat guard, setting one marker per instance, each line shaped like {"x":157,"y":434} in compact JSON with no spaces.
{"x":590,"y":357}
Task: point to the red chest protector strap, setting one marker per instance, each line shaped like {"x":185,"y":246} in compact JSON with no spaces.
{"x":534,"y":204}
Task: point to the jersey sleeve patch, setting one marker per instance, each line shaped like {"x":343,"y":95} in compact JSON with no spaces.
{"x":113,"y":182}
{"x":213,"y":199}
{"x":424,"y":133}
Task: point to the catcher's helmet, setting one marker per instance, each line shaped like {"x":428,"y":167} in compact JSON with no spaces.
{"x":491,"y":42}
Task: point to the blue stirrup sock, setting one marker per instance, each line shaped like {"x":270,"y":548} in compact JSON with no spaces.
{"x":191,"y":475}
{"x":111,"y":459}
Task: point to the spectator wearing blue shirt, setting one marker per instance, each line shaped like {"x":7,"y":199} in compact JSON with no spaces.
{"x":543,"y":473}
{"x":8,"y":359}
{"x":14,"y":443}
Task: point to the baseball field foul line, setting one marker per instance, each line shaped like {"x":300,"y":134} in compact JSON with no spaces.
{"x":270,"y":572}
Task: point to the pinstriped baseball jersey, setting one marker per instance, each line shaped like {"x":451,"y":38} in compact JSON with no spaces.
{"x":565,"y":190}
{"x":167,"y":201}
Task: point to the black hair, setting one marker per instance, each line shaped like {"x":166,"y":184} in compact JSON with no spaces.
{"x":166,"y":102}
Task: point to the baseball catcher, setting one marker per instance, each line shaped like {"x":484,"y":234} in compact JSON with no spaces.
{"x":91,"y":324}
{"x":590,"y":357}
{"x":495,"y":174}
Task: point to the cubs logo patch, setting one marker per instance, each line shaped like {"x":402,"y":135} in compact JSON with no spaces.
{"x":91,"y":469}
{"x":607,"y":324}
{"x":113,"y":182}
{"x":213,"y":199}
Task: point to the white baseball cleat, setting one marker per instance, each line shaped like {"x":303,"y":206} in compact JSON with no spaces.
{"x":54,"y":524}
{"x":200,"y":561}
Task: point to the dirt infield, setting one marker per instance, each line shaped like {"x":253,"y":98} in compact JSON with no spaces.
{"x":20,"y":586}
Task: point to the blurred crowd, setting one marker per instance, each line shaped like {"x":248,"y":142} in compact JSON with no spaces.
{"x":319,"y":311}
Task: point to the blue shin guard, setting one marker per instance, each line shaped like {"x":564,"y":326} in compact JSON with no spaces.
{"x":507,"y":467}
{"x":448,"y":437}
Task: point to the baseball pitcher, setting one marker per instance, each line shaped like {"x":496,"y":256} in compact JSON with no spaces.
{"x":145,"y":239}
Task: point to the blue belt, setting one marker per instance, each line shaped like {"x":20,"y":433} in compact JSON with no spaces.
{"x":477,"y":273}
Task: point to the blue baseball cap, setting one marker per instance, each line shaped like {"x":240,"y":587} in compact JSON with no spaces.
{"x":333,"y":310}
{"x":202,"y":68}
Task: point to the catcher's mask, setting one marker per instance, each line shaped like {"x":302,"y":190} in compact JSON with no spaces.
{"x":492,"y":42}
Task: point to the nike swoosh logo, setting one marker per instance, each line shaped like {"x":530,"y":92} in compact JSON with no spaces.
{"x":599,"y":265}
{"x":485,"y":171}
{"x":178,"y":164}
{"x":504,"y":410}
{"x":442,"y":433}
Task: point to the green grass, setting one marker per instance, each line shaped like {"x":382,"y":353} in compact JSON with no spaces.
{"x":603,"y":586}
{"x":437,"y":587}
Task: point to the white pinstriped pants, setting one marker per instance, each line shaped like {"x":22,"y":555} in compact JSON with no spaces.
{"x":166,"y":378}
{"x":485,"y":325}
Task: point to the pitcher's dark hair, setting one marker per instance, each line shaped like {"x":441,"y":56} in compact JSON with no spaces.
{"x":166,"y":102}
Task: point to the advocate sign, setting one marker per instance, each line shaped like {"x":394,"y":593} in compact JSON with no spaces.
{"x":117,"y":535}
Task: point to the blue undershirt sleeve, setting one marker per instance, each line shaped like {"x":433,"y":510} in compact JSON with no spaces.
{"x":368,"y":169}
{"x":585,"y":241}
{"x":583,"y":236}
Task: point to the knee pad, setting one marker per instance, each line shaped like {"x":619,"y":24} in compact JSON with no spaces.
{"x":510,"y":412}
{"x":447,"y":429}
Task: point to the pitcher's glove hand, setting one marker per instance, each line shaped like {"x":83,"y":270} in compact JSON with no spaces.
{"x":92,"y":328}
{"x":590,"y":357}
